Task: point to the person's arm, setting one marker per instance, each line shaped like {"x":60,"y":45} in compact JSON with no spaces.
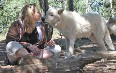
{"x":13,"y":32}
{"x":50,"y":43}
{"x":25,"y":44}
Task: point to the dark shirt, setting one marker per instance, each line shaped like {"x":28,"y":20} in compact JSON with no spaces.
{"x":30,"y":38}
{"x":14,"y":35}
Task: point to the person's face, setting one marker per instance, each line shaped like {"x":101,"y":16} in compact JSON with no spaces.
{"x":37,"y":15}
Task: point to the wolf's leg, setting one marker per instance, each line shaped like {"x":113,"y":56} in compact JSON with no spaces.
{"x":109,"y":41}
{"x":67,"y":46}
{"x":92,"y":38}
{"x":70,"y":46}
{"x":100,"y":42}
{"x":67,"y":43}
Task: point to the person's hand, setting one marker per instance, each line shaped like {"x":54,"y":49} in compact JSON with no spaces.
{"x":34,"y":49}
{"x":50,"y":43}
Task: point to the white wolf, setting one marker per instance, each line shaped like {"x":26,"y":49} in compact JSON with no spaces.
{"x":111,"y":24}
{"x":73,"y":25}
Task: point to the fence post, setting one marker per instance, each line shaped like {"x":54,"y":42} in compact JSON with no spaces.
{"x":46,"y":5}
{"x":71,"y":5}
{"x":49,"y":28}
{"x":87,"y":6}
{"x":111,"y":8}
{"x":1,"y":28}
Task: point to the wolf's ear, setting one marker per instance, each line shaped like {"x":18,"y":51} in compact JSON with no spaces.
{"x":111,"y":20}
{"x":60,"y":11}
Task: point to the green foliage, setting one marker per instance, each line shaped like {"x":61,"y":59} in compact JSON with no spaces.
{"x":107,"y":4}
{"x":10,"y":9}
{"x":114,"y":6}
{"x":80,"y":6}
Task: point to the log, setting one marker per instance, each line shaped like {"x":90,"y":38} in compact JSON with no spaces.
{"x":31,"y":64}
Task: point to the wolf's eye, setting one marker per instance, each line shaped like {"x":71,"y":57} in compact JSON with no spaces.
{"x":51,"y":15}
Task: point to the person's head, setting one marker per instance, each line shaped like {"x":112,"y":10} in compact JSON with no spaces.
{"x":30,"y":15}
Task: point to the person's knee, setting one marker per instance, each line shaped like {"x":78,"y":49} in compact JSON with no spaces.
{"x":47,"y":54}
{"x":12,"y":47}
{"x":57,"y":48}
{"x":21,"y":52}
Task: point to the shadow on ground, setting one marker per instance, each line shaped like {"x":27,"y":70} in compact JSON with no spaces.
{"x":2,"y":52}
{"x":83,"y":44}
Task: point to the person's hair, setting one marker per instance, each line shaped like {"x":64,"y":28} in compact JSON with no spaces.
{"x":27,"y":13}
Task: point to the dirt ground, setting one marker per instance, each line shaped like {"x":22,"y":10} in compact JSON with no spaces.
{"x":100,"y":66}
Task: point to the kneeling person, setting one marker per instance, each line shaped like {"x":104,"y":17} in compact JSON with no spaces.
{"x":22,"y":37}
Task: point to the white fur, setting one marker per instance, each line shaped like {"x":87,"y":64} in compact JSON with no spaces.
{"x":73,"y":25}
{"x":111,"y":24}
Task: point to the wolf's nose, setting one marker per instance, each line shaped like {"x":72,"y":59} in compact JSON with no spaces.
{"x":43,"y":19}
